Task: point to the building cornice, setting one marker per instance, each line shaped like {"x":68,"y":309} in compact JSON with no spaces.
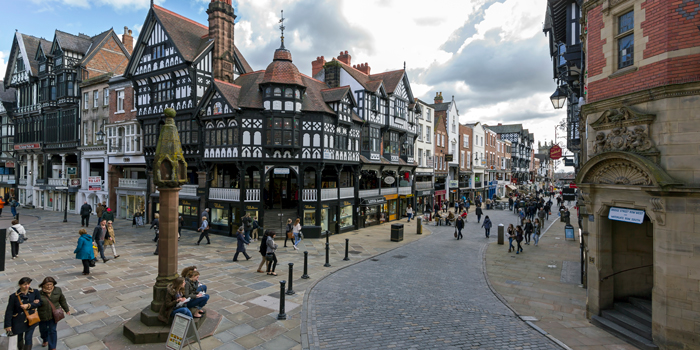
{"x":91,"y":148}
{"x":637,"y":97}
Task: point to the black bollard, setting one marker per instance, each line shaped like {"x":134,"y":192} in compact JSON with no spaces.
{"x":306,"y":264}
{"x":282,"y":315}
{"x":328,"y":249}
{"x":347,"y":243}
{"x":290,"y":289}
{"x":328,"y":234}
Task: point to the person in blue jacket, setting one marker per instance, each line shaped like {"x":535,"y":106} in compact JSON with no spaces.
{"x":84,"y":250}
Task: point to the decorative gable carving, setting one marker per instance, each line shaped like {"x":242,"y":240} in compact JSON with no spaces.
{"x":624,"y":130}
{"x":618,"y":172}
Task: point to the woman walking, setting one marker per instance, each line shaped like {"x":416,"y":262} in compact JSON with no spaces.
{"x":409,"y":212}
{"x":459,"y":225}
{"x":519,"y":238}
{"x":538,"y":229}
{"x":13,"y":207}
{"x":263,"y":249}
{"x":479,"y":213}
{"x":17,"y":235}
{"x":84,"y":250}
{"x":487,"y":226}
{"x":53,"y":302}
{"x":110,"y":241}
{"x":528,"y":231}
{"x":270,"y":253}
{"x":240,"y":248}
{"x":297,"y":233}
{"x":21,"y":315}
{"x":204,"y":229}
{"x":511,"y":237}
{"x":289,"y":233}
{"x":175,"y":302}
{"x":156,"y":223}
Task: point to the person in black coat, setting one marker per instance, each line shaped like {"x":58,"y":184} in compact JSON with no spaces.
{"x":85,"y":211}
{"x":479,"y":213}
{"x":240,"y":248}
{"x":459,"y":225}
{"x":25,"y":299}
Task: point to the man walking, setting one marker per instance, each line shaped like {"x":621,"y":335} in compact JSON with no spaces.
{"x":541,"y":214}
{"x":99,"y":235}
{"x":247,"y":226}
{"x":85,"y":211}
{"x":479,"y":213}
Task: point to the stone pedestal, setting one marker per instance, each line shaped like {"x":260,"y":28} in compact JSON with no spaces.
{"x":167,"y":245}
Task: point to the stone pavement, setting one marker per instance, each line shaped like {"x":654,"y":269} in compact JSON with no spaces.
{"x":431,"y":294}
{"x":116,"y":291}
{"x":544,"y":282}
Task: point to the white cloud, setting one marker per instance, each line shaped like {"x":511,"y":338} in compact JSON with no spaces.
{"x":4,"y":56}
{"x":117,"y":4}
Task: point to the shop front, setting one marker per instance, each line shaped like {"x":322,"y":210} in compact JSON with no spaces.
{"x":371,"y":211}
{"x":129,"y":203}
{"x":221,"y":217}
{"x":188,"y":208}
{"x":404,"y":201}
{"x":453,"y":191}
{"x":440,"y":197}
{"x":255,"y":210}
{"x":345,"y":216}
{"x":424,"y":201}
{"x":309,"y":217}
{"x":390,"y":207}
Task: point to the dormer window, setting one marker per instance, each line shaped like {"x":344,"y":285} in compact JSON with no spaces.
{"x":20,"y":65}
{"x":288,"y":92}
{"x":268,"y":92}
{"x":278,"y":92}
{"x":297,"y":94}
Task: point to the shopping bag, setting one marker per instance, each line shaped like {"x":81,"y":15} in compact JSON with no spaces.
{"x":12,"y":342}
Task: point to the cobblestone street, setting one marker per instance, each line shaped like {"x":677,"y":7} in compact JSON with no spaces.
{"x":428,"y":295}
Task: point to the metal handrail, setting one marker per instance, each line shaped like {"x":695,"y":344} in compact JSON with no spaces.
{"x":634,"y":268}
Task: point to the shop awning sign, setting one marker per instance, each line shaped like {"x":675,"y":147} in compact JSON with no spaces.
{"x":626,"y":215}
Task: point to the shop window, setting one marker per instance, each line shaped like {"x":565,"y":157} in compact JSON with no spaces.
{"x":219,"y":216}
{"x":346,"y":216}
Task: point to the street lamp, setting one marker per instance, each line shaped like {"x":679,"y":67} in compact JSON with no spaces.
{"x":100,"y":135}
{"x":558,"y":98}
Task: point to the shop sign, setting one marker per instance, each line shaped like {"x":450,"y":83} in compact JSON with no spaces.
{"x":306,"y":206}
{"x":75,"y":182}
{"x":218,"y":205}
{"x":281,"y":171}
{"x":9,"y":164}
{"x":391,"y":196}
{"x":346,"y":203}
{"x":374,"y":201}
{"x":555,"y":152}
{"x":424,"y":193}
{"x":94,"y":183}
{"x":449,"y":158}
{"x":325,"y":206}
{"x":185,"y":203}
{"x":454,"y":183}
{"x":251,"y":207}
{"x":72,"y":170}
{"x":626,"y":215}
{"x":201,"y":191}
{"x":28,"y":146}
{"x":389,"y":180}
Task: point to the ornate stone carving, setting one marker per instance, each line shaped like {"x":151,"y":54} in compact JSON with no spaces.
{"x":618,"y":172}
{"x":624,"y":130}
{"x":659,"y":208}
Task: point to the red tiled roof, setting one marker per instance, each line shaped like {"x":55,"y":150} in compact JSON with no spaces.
{"x":282,"y":70}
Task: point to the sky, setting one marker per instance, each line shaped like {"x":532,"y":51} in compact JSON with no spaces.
{"x":491,"y":55}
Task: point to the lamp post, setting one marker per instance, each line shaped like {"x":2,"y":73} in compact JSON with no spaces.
{"x":100,"y":135}
{"x":558,"y":98}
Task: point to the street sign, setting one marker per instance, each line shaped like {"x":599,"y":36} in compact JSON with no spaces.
{"x":626,"y":215}
{"x":72,"y":170}
{"x":555,"y":152}
{"x":94,"y":183}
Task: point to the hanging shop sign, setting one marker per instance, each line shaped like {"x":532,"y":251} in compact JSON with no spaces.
{"x":389,"y":180}
{"x":72,"y":170}
{"x":555,"y":152}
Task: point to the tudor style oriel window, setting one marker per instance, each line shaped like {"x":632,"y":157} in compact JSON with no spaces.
{"x":625,"y":40}
{"x":163,"y":91}
{"x":282,"y":131}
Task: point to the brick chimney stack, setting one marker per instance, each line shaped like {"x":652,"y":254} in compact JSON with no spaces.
{"x":438,"y":97}
{"x":317,"y":65}
{"x":128,"y":40}
{"x":362,"y":67}
{"x":221,"y":27}
{"x":344,"y":57}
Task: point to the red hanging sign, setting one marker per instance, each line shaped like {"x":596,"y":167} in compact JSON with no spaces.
{"x":555,"y":152}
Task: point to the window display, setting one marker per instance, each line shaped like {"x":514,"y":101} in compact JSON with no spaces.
{"x":372,"y":215}
{"x":219,"y":216}
{"x":310,"y":217}
{"x":324,"y":219}
{"x":346,"y":216}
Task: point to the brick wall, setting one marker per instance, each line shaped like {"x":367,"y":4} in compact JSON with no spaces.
{"x":440,"y":129}
{"x":109,"y":59}
{"x":595,"y":59}
{"x":128,"y":114}
{"x":465,"y":130}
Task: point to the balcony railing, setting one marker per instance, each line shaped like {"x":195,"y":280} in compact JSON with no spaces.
{"x":329,"y":193}
{"x":6,"y":178}
{"x":423,"y":185}
{"x":369,"y":193}
{"x":463,"y":184}
{"x":252,"y":195}
{"x":225,"y":194}
{"x":389,"y":190}
{"x":57,"y":182}
{"x":309,"y":195}
{"x":478,"y":184}
{"x":405,"y":190}
{"x":189,"y":190}
{"x":133,"y":183}
{"x":347,"y":192}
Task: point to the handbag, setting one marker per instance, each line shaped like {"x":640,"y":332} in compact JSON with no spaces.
{"x":58,"y":314}
{"x":32,"y":319}
{"x":290,"y":235}
{"x":21,"y":239}
{"x":269,"y":256}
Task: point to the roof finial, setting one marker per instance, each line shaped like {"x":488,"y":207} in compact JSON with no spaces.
{"x":404,"y":65}
{"x":151,"y":3}
{"x":282,"y":29}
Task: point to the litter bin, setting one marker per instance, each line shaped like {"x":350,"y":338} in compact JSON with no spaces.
{"x":397,"y":232}
{"x":501,"y":234}
{"x":419,"y":225}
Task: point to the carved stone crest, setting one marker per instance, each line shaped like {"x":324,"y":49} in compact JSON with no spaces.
{"x":659,"y":208}
{"x":624,"y":130}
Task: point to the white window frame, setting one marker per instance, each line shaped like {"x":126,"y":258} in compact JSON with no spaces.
{"x":120,"y":101}
{"x":86,"y":100}
{"x":96,"y":98}
{"x":427,"y":134}
{"x":105,"y":97}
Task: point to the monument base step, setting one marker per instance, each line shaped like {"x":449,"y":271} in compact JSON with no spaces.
{"x":139,"y":332}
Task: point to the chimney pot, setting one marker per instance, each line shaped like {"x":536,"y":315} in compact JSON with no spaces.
{"x":128,"y":40}
{"x":317,"y":65}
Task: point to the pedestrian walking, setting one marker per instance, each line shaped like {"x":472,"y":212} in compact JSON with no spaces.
{"x":84,"y":251}
{"x":487,"y":226}
{"x":541,"y":215}
{"x":110,"y":242}
{"x":247,"y":226}
{"x":107,"y":215}
{"x":459,"y":225}
{"x":528,"y":231}
{"x":99,"y":210}
{"x":13,"y":207}
{"x":205,"y":231}
{"x":17,"y":235}
{"x":289,"y":233}
{"x":240,"y":247}
{"x":254,"y":231}
{"x":180,"y":223}
{"x":85,"y":211}
{"x":156,"y":224}
{"x":53,"y":306}
{"x":519,"y":236}
{"x":21,"y":316}
{"x":479,"y":213}
{"x":99,"y":235}
{"x":510,"y":202}
{"x":537,"y":226}
{"x":263,"y":248}
{"x":296,"y":230}
{"x":197,"y":299}
{"x":175,"y":302}
{"x":511,"y":237}
{"x":409,"y":212}
{"x":271,"y":247}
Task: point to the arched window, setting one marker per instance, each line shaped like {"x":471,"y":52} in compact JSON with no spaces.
{"x":288,"y":92}
{"x":267,"y":92}
{"x":297,"y":94}
{"x":278,"y":92}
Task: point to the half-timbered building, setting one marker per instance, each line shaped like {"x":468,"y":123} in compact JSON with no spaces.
{"x":387,"y":110}
{"x":174,"y":62}
{"x":8,"y":182}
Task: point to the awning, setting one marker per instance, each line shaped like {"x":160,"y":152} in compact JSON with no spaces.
{"x":511,"y":187}
{"x":373,"y":200}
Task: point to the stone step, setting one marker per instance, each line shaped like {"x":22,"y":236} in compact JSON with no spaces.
{"x":139,"y":332}
{"x":628,"y":323}
{"x":635,"y":313}
{"x":623,"y":333}
{"x":642,"y":304}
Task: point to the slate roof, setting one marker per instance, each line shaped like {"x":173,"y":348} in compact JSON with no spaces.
{"x":391,"y":79}
{"x":281,"y":70}
{"x":188,"y":36}
{"x":335,"y":94}
{"x":6,"y":95}
{"x":250,"y":95}
{"x":229,"y":91}
{"x":31,"y":45}
{"x":372,"y":82}
{"x":76,"y":43}
{"x":439,"y":107}
{"x":506,"y":129}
